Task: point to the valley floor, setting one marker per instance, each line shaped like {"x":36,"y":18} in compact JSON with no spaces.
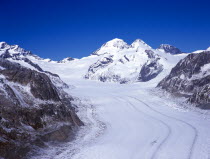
{"x":131,"y":122}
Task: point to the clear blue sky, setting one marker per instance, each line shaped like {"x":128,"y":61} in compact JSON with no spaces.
{"x":76,"y":28}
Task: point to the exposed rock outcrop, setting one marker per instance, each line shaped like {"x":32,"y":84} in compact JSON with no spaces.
{"x":169,"y":49}
{"x":33,"y":110}
{"x":191,"y":78}
{"x":151,"y":68}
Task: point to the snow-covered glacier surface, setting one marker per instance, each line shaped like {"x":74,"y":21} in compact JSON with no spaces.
{"x":116,"y":61}
{"x":131,"y":121}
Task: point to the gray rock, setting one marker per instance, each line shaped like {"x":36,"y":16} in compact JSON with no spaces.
{"x":105,"y":61}
{"x":151,"y":68}
{"x":188,"y":79}
{"x":33,"y":110}
{"x":169,"y":49}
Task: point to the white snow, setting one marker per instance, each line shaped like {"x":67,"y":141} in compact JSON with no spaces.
{"x":132,"y":122}
{"x":12,"y":49}
{"x":129,"y":121}
{"x":198,"y":51}
{"x":205,"y":71}
{"x":2,"y":68}
{"x":25,"y":64}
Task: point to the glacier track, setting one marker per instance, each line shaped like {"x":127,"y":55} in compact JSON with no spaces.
{"x":125,"y":121}
{"x":131,"y":122}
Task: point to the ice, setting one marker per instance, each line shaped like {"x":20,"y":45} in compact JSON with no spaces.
{"x":132,"y":121}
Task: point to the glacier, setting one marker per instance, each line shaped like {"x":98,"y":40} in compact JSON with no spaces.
{"x":127,"y":121}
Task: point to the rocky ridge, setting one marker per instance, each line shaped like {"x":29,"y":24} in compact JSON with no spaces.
{"x":191,"y":78}
{"x":34,"y":109}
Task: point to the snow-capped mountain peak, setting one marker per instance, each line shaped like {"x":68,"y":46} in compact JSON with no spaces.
{"x":138,"y":43}
{"x":3,"y":45}
{"x":11,"y":50}
{"x":117,"y":61}
{"x":169,"y":49}
{"x":118,"y":43}
{"x":208,"y":49}
{"x":114,"y":45}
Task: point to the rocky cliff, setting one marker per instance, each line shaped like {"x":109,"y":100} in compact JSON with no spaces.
{"x":191,"y":78}
{"x":33,"y":110}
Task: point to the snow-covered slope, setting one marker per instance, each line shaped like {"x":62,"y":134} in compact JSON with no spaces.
{"x":114,"y":61}
{"x":131,"y":122}
{"x":200,"y":51}
{"x":126,"y":121}
{"x":11,"y":50}
{"x":67,"y":59}
{"x":120,"y":62}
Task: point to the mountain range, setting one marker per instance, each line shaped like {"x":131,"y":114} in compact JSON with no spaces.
{"x":34,"y":99}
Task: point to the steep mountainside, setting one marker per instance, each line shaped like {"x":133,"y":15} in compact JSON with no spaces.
{"x":191,"y":78}
{"x":34,"y":109}
{"x":123,"y":63}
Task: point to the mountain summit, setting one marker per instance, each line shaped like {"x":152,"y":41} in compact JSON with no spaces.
{"x":138,"y":43}
{"x":119,"y":62}
{"x":114,"y":61}
{"x":169,"y":49}
{"x":11,"y":50}
{"x":111,"y":46}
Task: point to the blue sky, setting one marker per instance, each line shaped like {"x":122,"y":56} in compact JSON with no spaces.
{"x":76,"y":28}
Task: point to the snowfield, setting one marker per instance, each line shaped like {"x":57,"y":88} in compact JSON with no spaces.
{"x":126,"y":121}
{"x":132,"y":122}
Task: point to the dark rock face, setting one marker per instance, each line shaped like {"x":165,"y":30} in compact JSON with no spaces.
{"x":191,"y":78}
{"x":98,"y":65}
{"x":151,"y":68}
{"x":32,"y":110}
{"x":41,"y":85}
{"x":170,"y":49}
